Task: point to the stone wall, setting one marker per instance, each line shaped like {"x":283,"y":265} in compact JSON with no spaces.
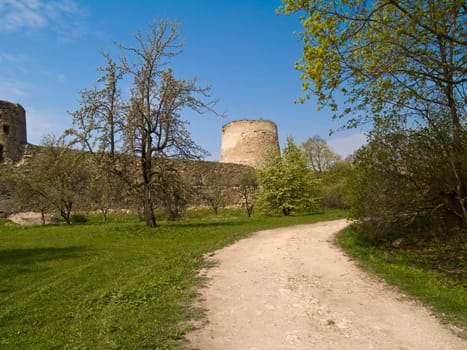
{"x":210,"y":178}
{"x":200,"y":177}
{"x":12,"y":131}
{"x":248,"y":142}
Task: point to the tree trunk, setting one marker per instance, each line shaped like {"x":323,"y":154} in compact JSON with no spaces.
{"x":66,"y":214}
{"x":249,"y":210}
{"x":148,"y":209}
{"x":43,"y":216}
{"x":248,"y":205}
{"x":146,"y":168}
{"x":104,"y":212}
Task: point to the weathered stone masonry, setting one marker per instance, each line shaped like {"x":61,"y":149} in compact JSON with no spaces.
{"x":12,"y":131}
{"x":248,"y":142}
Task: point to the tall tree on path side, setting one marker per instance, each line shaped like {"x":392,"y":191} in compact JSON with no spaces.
{"x":396,"y":63}
{"x":151,"y":123}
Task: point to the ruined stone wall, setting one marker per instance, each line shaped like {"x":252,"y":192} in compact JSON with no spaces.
{"x":248,"y":142}
{"x":12,"y":131}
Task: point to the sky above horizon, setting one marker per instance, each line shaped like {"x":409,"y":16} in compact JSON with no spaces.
{"x":49,"y":51}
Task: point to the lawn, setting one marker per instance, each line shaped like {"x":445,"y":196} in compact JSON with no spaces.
{"x":114,"y":285}
{"x":435,"y":273}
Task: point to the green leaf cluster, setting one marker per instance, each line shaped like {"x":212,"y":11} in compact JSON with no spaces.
{"x":286,"y":184}
{"x":401,"y":186}
{"x":382,"y":55}
{"x":400,"y":66}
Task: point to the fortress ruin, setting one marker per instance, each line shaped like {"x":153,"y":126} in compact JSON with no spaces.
{"x":248,"y":142}
{"x":12,"y":131}
{"x":245,"y":142}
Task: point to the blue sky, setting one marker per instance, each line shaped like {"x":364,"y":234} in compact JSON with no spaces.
{"x":49,"y":51}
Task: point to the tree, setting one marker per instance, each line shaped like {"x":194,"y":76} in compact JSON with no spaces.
{"x":285,"y":182}
{"x":401,"y":186}
{"x":149,"y":126}
{"x":333,"y":185}
{"x":320,"y":157}
{"x":171,"y":189}
{"x":247,"y":186}
{"x":215,"y":188}
{"x":55,"y":178}
{"x":396,"y":63}
{"x":29,"y":191}
{"x":98,"y":126}
{"x":105,"y":189}
{"x":99,"y":121}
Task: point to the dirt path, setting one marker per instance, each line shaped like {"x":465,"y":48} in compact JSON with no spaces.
{"x":290,"y":288}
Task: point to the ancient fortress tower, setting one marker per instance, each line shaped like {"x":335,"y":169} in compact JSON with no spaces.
{"x":12,"y":131}
{"x":248,"y":142}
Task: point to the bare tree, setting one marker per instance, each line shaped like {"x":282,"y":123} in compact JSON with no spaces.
{"x":99,"y":121}
{"x":214,"y":190}
{"x":247,"y":186}
{"x":150,"y":127}
{"x":320,"y":157}
{"x":55,"y":178}
{"x":172,"y":190}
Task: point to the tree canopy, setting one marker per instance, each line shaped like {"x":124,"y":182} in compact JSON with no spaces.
{"x":57,"y":177}
{"x":383,"y":56}
{"x":399,"y":64}
{"x":147,"y":126}
{"x":320,"y":157}
{"x":285,"y":182}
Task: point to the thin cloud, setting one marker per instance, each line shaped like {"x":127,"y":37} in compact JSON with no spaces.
{"x":29,"y":15}
{"x":12,"y":89}
{"x":61,"y":77}
{"x":6,"y":57}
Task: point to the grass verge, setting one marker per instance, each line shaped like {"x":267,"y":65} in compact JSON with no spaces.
{"x":435,"y":274}
{"x":114,"y":285}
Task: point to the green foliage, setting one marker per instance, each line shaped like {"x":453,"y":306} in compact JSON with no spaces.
{"x":435,"y":273}
{"x":285,"y":182}
{"x":402,"y":186}
{"x":114,"y":284}
{"x":333,"y":186}
{"x":329,"y":169}
{"x":399,"y":65}
{"x":4,"y":221}
{"x":56,"y":178}
{"x":383,"y":55}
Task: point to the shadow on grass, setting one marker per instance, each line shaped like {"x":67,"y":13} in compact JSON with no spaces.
{"x":201,"y":224}
{"x":25,"y":256}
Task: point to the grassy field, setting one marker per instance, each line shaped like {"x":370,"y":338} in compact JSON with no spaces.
{"x":114,"y":285}
{"x":436,"y":273}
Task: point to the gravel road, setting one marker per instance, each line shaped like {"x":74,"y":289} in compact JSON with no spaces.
{"x":290,"y":288}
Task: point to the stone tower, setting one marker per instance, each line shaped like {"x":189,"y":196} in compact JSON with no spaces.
{"x":248,"y":142}
{"x":12,"y":131}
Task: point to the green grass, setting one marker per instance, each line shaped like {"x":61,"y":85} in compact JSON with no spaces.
{"x":436,"y":273}
{"x":114,"y":285}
